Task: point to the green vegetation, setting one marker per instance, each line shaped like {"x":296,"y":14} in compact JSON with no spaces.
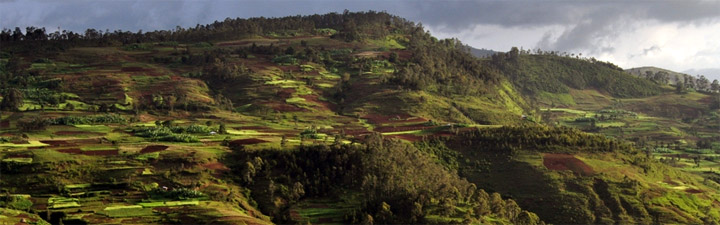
{"x":99,"y":119}
{"x":164,"y":133}
{"x":344,"y":119}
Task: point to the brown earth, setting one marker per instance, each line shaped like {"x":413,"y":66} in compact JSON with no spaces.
{"x":70,"y":150}
{"x":153,"y":148}
{"x":286,"y":92}
{"x":218,"y":166}
{"x":101,"y":152}
{"x":136,"y":69}
{"x":249,"y":141}
{"x":322,"y":105}
{"x":566,"y":162}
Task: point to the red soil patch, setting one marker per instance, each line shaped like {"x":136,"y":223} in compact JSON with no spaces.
{"x":19,"y":156}
{"x":355,"y":132}
{"x":289,"y":68}
{"x":323,"y":104}
{"x":370,"y":54}
{"x":249,"y":141}
{"x":85,"y":141}
{"x":7,"y":134}
{"x":693,"y":191}
{"x":135,"y":69}
{"x":282,"y":107}
{"x":4,"y":124}
{"x":153,"y":148}
{"x":131,"y":221}
{"x":218,"y":166}
{"x":68,"y":133}
{"x":286,"y":92}
{"x":39,"y":206}
{"x":566,"y":162}
{"x":403,"y":54}
{"x":295,"y":215}
{"x":101,"y":152}
{"x":71,"y":150}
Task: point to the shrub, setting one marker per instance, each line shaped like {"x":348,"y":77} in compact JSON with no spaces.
{"x":176,"y":194}
{"x":94,"y":119}
{"x":31,"y":125}
{"x":285,"y":59}
{"x":163,"y":133}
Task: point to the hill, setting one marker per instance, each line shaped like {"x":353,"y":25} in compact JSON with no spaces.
{"x":340,"y":118}
{"x":538,"y":74}
{"x":649,"y":72}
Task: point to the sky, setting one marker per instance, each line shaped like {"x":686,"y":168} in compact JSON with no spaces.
{"x":680,"y":35}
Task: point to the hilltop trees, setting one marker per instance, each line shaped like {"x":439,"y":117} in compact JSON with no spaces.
{"x":353,"y":24}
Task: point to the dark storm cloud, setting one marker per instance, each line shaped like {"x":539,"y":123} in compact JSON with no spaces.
{"x":589,"y":18}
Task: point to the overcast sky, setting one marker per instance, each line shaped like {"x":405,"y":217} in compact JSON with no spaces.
{"x":679,"y":35}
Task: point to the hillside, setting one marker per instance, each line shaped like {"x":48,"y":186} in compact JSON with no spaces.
{"x":340,"y":118}
{"x":543,"y":74}
{"x":648,"y":72}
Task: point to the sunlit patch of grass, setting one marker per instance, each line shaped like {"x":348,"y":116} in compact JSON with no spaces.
{"x":29,"y":144}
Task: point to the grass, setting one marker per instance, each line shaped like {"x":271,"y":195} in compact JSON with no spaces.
{"x":248,"y":132}
{"x":295,"y":100}
{"x":29,"y":144}
{"x":169,"y":203}
{"x":62,"y":202}
{"x":126,"y":211}
{"x":19,"y":160}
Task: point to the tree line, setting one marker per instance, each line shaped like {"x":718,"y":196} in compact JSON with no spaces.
{"x":400,"y":184}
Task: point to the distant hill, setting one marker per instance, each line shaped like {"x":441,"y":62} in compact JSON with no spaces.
{"x":481,"y":53}
{"x":642,"y":72}
{"x":551,"y":74}
{"x":710,"y":73}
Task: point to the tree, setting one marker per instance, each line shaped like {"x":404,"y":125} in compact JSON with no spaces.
{"x":297,"y":191}
{"x":384,"y":214}
{"x":497,"y":204}
{"x":249,"y":172}
{"x":680,"y":87}
{"x":222,"y":129}
{"x":514,"y":53}
{"x":715,"y":103}
{"x":393,"y":57}
{"x":715,"y":86}
{"x":12,"y":100}
{"x":283,"y":141}
{"x":702,"y":83}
